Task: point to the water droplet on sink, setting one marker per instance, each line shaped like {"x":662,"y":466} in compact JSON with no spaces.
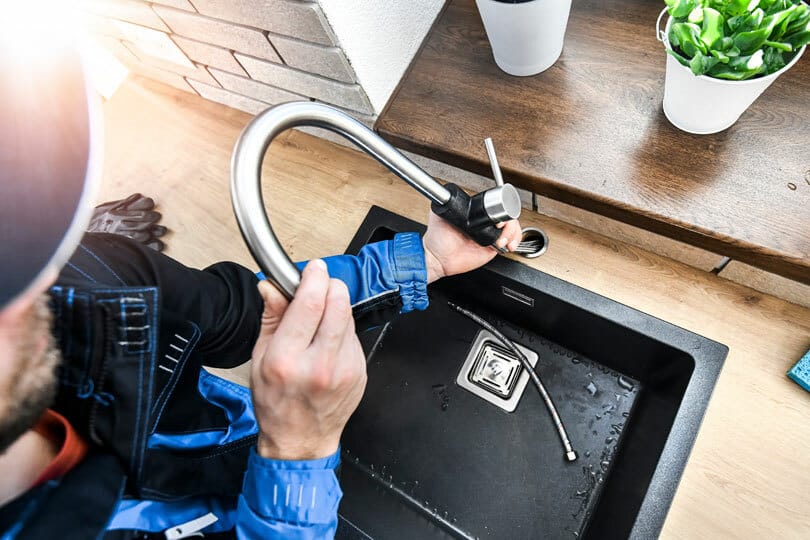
{"x":588,"y":453}
{"x":591,"y":388}
{"x":625,"y":383}
{"x":609,"y":440}
{"x":604,"y":465}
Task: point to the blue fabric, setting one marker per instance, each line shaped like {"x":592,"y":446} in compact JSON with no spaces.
{"x":282,"y":499}
{"x":289,"y":499}
{"x":382,"y":267}
{"x":157,"y":516}
{"x":235,"y":401}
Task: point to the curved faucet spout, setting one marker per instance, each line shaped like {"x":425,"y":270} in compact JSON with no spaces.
{"x":248,"y":202}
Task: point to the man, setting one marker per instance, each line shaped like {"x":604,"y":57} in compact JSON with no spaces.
{"x":109,"y":426}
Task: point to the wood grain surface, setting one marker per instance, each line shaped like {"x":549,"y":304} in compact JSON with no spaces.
{"x":747,"y":476}
{"x":590,"y":131}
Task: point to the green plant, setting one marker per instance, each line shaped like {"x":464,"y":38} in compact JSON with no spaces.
{"x":737,"y":39}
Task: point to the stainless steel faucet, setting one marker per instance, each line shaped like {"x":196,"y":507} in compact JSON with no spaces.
{"x":476,"y":216}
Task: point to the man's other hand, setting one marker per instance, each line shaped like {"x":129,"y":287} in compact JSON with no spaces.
{"x":448,"y":251}
{"x":309,"y":371}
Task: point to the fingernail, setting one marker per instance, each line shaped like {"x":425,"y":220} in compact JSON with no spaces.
{"x":319,"y":264}
{"x":501,"y":242}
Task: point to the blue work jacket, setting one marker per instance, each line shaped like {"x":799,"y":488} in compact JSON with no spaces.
{"x":172,"y":444}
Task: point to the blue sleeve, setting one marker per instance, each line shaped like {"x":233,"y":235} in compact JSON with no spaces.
{"x":381,"y":268}
{"x":290,"y":500}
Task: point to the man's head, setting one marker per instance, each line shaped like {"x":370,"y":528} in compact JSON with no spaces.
{"x":48,"y":170}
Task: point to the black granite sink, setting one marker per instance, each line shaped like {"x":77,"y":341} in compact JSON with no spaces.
{"x":424,"y":457}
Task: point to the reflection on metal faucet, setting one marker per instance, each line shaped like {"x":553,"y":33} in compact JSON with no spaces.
{"x":474,"y":215}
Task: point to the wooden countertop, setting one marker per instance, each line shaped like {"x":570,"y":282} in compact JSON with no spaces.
{"x":590,"y":131}
{"x":747,"y":475}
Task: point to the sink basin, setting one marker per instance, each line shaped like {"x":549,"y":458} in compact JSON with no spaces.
{"x":433,"y":450}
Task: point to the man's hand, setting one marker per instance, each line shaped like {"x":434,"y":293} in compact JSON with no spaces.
{"x":448,"y":251}
{"x":309,"y":371}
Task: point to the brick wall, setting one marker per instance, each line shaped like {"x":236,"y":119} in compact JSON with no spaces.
{"x":247,"y":54}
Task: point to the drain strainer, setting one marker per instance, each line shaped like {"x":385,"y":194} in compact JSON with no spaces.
{"x":494,"y":373}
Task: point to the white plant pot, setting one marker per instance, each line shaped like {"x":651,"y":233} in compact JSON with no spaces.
{"x":526,"y":38}
{"x":703,"y":105}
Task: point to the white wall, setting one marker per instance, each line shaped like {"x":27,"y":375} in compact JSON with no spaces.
{"x":380,"y":38}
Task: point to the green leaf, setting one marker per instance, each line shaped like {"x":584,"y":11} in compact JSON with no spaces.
{"x":753,"y":62}
{"x":712,"y":29}
{"x":799,"y":39}
{"x":782,"y":27}
{"x":737,"y":39}
{"x":696,"y":64}
{"x":738,"y":7}
{"x":734,"y":23}
{"x":726,"y":44}
{"x":748,"y":42}
{"x":787,"y":47}
{"x":766,"y":4}
{"x":772,"y":21}
{"x":681,"y":59}
{"x":722,"y":71}
{"x":686,"y":36}
{"x":680,"y":8}
{"x":754,"y":20}
{"x":700,"y":64}
{"x":774,"y":60}
{"x":720,"y":55}
{"x":799,"y":21}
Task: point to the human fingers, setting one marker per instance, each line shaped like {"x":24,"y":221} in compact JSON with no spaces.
{"x":301,"y":320}
{"x":275,"y":304}
{"x":274,"y":307}
{"x":511,"y":234}
{"x":335,"y":321}
{"x":350,"y":369}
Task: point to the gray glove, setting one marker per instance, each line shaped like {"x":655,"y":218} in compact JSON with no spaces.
{"x":133,"y":217}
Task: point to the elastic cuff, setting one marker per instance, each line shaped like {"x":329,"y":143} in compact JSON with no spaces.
{"x":305,"y":492}
{"x":410,"y":271}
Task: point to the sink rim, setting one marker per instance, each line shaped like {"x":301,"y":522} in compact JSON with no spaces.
{"x":708,"y":357}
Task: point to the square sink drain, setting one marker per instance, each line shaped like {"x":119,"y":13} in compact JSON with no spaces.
{"x":493,"y":373}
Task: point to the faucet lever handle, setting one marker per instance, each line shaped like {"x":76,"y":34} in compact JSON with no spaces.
{"x":493,"y":161}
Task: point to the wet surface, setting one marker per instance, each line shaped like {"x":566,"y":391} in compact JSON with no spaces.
{"x":495,"y":474}
{"x":471,"y":469}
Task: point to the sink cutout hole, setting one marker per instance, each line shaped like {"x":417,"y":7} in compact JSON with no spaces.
{"x":533,"y":243}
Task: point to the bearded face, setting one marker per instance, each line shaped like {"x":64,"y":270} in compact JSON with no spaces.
{"x":28,"y":361}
